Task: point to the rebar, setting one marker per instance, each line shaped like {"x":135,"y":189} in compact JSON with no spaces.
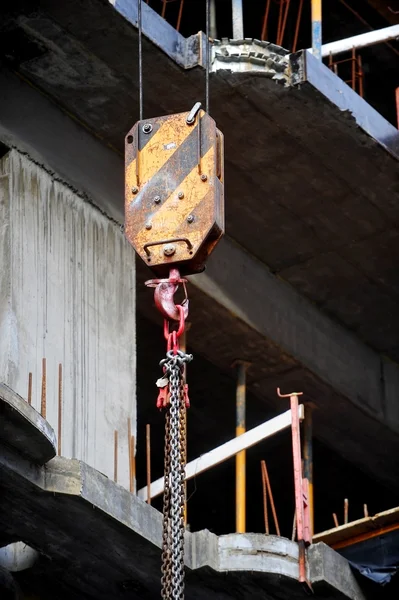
{"x":30,"y":389}
{"x":43,"y":405}
{"x":265,"y":511}
{"x":269,"y":490}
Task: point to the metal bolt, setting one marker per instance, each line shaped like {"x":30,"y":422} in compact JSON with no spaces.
{"x":169,"y":250}
{"x":135,"y":190}
{"x":148,"y":226}
{"x":190,"y":219}
{"x":147,"y":128}
{"x":204,"y":177}
{"x":157,"y":199}
{"x":180,"y":195}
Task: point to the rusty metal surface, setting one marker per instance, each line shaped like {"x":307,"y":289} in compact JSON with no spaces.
{"x":174,"y":213}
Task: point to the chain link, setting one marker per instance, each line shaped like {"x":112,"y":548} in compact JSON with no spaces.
{"x":175,"y":444}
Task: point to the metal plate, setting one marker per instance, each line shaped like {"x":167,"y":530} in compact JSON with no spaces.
{"x":174,"y":200}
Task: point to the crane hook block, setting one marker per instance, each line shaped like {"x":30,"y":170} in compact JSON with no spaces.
{"x":174,"y":190}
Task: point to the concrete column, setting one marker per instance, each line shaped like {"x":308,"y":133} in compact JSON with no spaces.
{"x":67,"y":293}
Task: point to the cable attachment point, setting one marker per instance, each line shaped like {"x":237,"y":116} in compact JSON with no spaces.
{"x":165,"y":290}
{"x":193,"y":113}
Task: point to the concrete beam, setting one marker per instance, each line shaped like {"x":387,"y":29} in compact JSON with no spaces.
{"x":186,"y":52}
{"x":67,"y":509}
{"x":354,"y":388}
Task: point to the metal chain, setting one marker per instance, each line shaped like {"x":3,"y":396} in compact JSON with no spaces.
{"x":166,"y":580}
{"x":173,"y":517}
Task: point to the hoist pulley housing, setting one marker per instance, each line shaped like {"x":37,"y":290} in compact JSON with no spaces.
{"x":174,"y":190}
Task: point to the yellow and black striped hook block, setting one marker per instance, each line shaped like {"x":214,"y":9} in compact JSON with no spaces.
{"x":174,"y":190}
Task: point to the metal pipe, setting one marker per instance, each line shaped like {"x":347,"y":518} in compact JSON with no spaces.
{"x":265,"y":21}
{"x":238,"y":23}
{"x":148,"y":456}
{"x":269,"y":490}
{"x":365,"y":23}
{"x":316,"y":29}
{"x":180,"y":15}
{"x":264,"y":490}
{"x":241,"y":456}
{"x":227,"y":450}
{"x":214,"y":33}
{"x":281,"y":32}
{"x":297,"y":26}
{"x":354,"y":70}
{"x":308,"y":460}
{"x":359,"y":41}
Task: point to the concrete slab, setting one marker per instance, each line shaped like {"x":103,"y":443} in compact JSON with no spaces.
{"x":24,"y":429}
{"x":98,"y":541}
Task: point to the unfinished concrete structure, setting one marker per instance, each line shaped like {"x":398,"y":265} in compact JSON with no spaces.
{"x":304,"y":286}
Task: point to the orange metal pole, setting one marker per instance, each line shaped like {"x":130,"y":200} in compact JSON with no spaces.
{"x":241,"y":456}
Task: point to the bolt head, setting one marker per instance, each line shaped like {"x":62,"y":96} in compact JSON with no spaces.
{"x":180,"y":195}
{"x":204,"y":177}
{"x":169,"y":250}
{"x":148,"y":226}
{"x":147,"y":128}
{"x":135,"y":190}
{"x":190,"y":219}
{"x":157,"y":199}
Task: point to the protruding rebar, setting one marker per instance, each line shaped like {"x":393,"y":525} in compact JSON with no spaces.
{"x":30,"y":389}
{"x":265,"y":511}
{"x":335,"y":519}
{"x":133,"y":462}
{"x":43,"y":406}
{"x":346,"y":510}
{"x":366,"y":511}
{"x":129,"y":442}
{"x":269,"y":490}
